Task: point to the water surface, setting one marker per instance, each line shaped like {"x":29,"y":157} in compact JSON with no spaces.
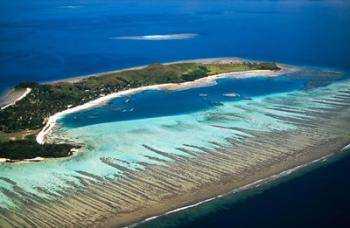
{"x":47,"y":40}
{"x":156,"y":103}
{"x":306,"y":199}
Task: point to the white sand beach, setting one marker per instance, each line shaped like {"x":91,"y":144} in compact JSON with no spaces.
{"x":210,"y":80}
{"x":16,"y":96}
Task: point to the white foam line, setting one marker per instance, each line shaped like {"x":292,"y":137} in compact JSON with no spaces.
{"x":169,"y":86}
{"x":346,"y":147}
{"x":28,"y":90}
{"x":179,"y":36}
{"x":255,"y":184}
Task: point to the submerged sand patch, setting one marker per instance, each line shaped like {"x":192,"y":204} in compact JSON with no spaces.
{"x":98,"y":201}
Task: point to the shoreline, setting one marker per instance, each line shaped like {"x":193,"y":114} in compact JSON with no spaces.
{"x":7,"y":160}
{"x":347,"y":147}
{"x":249,"y":186}
{"x":145,"y":194}
{"x":12,"y":99}
{"x":221,"y":189}
{"x":206,"y":81}
{"x":74,"y":79}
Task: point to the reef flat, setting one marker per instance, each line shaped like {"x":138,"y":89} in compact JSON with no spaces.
{"x":20,"y":122}
{"x":135,"y":169}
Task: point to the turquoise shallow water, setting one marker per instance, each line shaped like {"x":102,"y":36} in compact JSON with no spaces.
{"x":47,"y":40}
{"x":127,"y":141}
{"x":155,"y":103}
{"x":309,"y":195}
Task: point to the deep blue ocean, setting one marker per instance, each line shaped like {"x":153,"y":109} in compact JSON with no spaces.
{"x":316,"y":197}
{"x":48,"y":40}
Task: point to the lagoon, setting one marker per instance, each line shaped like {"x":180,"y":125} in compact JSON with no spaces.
{"x":116,"y":148}
{"x":46,"y":41}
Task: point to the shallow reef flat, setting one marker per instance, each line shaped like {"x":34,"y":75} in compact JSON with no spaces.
{"x":131,"y":170}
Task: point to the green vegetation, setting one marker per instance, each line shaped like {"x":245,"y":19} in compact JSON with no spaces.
{"x":29,"y":148}
{"x":26,"y":84}
{"x":32,"y":112}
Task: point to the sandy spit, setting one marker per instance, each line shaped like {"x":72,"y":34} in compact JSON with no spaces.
{"x":13,"y":99}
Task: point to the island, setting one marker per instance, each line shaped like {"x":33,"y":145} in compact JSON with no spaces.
{"x":23,"y":120}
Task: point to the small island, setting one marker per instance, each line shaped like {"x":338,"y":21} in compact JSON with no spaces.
{"x":21,"y":122}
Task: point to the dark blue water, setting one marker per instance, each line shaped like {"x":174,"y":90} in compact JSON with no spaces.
{"x":155,"y":103}
{"x":316,"y":198}
{"x":46,"y":40}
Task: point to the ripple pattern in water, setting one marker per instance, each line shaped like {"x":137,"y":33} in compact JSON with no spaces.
{"x":177,"y":153}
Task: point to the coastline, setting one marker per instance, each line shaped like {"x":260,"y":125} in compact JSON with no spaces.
{"x":143,"y":195}
{"x":249,"y":186}
{"x":7,"y":160}
{"x":206,"y":81}
{"x":224,"y":187}
{"x":74,"y":79}
{"x":266,"y":182}
{"x":15,"y":96}
{"x":347,"y":147}
{"x":78,"y":78}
